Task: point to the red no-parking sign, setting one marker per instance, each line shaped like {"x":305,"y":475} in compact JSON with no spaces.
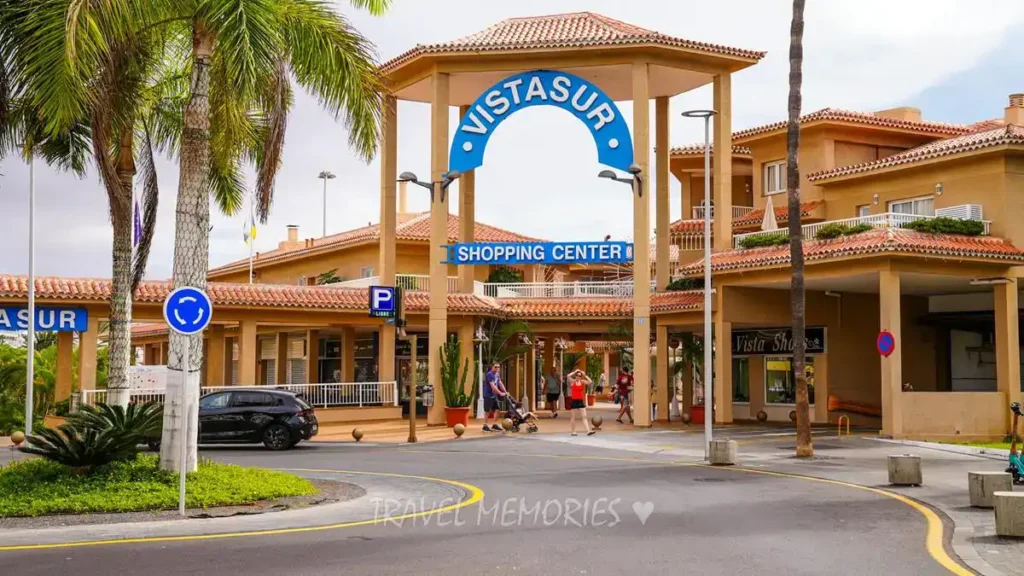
{"x":886,"y":343}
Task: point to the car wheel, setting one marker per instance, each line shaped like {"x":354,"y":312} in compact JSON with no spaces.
{"x":277,"y":437}
{"x":154,"y":445}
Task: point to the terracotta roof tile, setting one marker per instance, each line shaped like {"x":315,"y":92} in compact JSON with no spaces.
{"x":413,"y":228}
{"x":567,"y":308}
{"x":698,"y":150}
{"x":1007,"y":134}
{"x":864,"y":118}
{"x":695,"y":227}
{"x":892,"y":240}
{"x":680,"y":300}
{"x":576,"y":30}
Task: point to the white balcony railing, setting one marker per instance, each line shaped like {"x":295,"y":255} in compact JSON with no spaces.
{"x":885,"y":220}
{"x":324,"y":395}
{"x":413,"y":282}
{"x":737,"y":211}
{"x":690,"y":242}
{"x":613,"y":289}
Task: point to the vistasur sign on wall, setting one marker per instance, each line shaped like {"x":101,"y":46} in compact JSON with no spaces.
{"x":483,"y":253}
{"x":15,"y":319}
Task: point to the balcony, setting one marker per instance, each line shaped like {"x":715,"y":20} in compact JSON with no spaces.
{"x":612,"y":289}
{"x":411,"y":282}
{"x":885,"y":220}
{"x":737,"y":211}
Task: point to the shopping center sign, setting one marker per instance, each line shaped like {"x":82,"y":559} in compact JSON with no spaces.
{"x":504,"y":253}
{"x":15,"y":318}
{"x":542,"y":88}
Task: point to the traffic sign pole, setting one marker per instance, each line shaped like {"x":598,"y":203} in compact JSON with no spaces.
{"x":184,"y":429}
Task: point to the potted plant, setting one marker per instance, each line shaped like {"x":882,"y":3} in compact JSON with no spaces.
{"x":453,"y":385}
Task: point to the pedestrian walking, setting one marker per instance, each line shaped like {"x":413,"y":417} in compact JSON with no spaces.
{"x":552,"y":390}
{"x":578,"y":381}
{"x":494,"y":390}
{"x":623,"y":387}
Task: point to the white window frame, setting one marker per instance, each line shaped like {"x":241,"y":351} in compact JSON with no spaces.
{"x":779,"y":180}
{"x":366,"y":272}
{"x":913,"y":202}
{"x":863,"y":210}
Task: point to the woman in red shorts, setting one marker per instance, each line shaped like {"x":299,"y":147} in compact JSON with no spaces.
{"x":578,"y":381}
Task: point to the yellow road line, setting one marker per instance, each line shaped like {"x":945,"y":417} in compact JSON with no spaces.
{"x":476,"y":495}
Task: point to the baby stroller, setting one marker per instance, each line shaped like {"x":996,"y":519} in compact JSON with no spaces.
{"x":520,"y":416}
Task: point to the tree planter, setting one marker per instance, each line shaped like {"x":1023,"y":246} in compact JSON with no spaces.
{"x":591,"y":398}
{"x":456,"y":416}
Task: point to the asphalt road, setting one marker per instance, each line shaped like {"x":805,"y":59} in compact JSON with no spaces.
{"x":549,"y":508}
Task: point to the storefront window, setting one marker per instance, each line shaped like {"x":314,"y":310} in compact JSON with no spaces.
{"x":780,"y":382}
{"x":740,"y":380}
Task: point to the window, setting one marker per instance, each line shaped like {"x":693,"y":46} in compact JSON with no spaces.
{"x":740,"y":380}
{"x":366,"y":272}
{"x":215,"y":401}
{"x":915,"y":206}
{"x":774,"y":177}
{"x":779,"y":380}
{"x":250,"y":399}
{"x":863,"y":211}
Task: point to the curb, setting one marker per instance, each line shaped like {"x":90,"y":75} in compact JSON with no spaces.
{"x":988,"y":453}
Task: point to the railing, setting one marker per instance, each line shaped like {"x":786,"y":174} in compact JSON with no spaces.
{"x":690,"y":242}
{"x":323,"y":395}
{"x":415,"y":282}
{"x":615,"y":289}
{"x":885,"y":220}
{"x":737,"y":211}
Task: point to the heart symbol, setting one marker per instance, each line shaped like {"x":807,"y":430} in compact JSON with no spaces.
{"x":643,"y":510}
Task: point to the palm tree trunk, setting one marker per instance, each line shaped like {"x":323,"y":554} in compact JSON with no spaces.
{"x":191,"y":257}
{"x":119,"y":336}
{"x":796,"y":247}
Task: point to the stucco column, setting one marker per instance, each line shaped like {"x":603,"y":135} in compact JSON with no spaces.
{"x":281,"y":359}
{"x":247,"y":353}
{"x":162,"y":354}
{"x":388,"y":178}
{"x":606,"y":368}
{"x":722,"y":160}
{"x":531,"y":377}
{"x":821,"y":388}
{"x":438,"y":318}
{"x":467,"y":218}
{"x":386,"y":353}
{"x":684,"y":196}
{"x":549,"y":353}
{"x":641,"y":249}
{"x":65,"y":365}
{"x":662,"y":382}
{"x":722,"y":399}
{"x":229,"y":360}
{"x":87,"y":355}
{"x":1007,"y":342}
{"x":687,"y":378}
{"x":313,"y":357}
{"x":348,"y":355}
{"x":661,"y":203}
{"x":892,"y":367}
{"x":215,"y":355}
{"x":467,"y":353}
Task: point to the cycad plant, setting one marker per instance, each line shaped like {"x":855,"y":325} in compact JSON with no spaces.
{"x":87,"y":443}
{"x":452,"y":383}
{"x":143,"y":420}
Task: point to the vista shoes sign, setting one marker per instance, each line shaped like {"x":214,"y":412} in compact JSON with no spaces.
{"x":542,"y":88}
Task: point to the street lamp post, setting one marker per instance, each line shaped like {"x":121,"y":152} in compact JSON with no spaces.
{"x":480,"y":337}
{"x":325,"y":176}
{"x":709,"y":404}
{"x":560,"y":345}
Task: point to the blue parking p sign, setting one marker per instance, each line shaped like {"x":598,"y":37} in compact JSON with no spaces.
{"x":383,"y":302}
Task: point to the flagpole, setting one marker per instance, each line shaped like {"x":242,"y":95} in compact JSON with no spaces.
{"x":252,"y":236}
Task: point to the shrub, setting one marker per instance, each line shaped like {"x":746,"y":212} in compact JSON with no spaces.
{"x":680,"y":284}
{"x":943,"y":225}
{"x":765,"y":240}
{"x":837,"y":229}
{"x":505,"y":275}
{"x":145,"y":420}
{"x":452,"y":385}
{"x":81,"y":446}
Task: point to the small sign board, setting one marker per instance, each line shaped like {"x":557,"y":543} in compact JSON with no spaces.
{"x":506,"y":253}
{"x":886,"y":343}
{"x":188,"y":310}
{"x":15,"y":319}
{"x":776,"y":341}
{"x":383,"y":302}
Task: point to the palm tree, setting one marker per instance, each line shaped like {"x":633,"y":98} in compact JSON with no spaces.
{"x":796,"y":247}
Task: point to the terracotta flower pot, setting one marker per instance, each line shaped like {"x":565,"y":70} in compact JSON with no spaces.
{"x":456,"y":416}
{"x":591,"y":398}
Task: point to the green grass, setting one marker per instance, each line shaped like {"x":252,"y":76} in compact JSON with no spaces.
{"x":1000,"y":445}
{"x":37,"y":487}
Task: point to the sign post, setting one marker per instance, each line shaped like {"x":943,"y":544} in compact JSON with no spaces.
{"x":187,"y":311}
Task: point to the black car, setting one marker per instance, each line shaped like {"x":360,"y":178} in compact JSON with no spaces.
{"x":278,"y":418}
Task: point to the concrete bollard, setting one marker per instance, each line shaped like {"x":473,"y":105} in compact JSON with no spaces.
{"x":1009,"y":513}
{"x":982,"y":485}
{"x":723,"y":452}
{"x":905,"y":470}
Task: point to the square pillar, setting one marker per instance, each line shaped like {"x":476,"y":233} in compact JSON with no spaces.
{"x":468,"y":353}
{"x":386,"y":353}
{"x":531,"y":377}
{"x":215,"y":355}
{"x":722,"y":162}
{"x":313,"y":357}
{"x":641,"y":248}
{"x":247,"y":353}
{"x":348,"y":354}
{"x":687,"y":379}
{"x":162,"y":355}
{"x":65,"y":364}
{"x":281,"y":359}
{"x":438,"y":315}
{"x":388,"y":215}
{"x":892,"y":366}
{"x":549,"y":353}
{"x":1007,"y":342}
{"x":722,"y":400}
{"x":685,"y":191}
{"x":229,"y":360}
{"x":661,"y":203}
{"x":663,"y":382}
{"x":467,"y":218}
{"x":87,"y":354}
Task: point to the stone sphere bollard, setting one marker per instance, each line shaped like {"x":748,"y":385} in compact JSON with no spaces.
{"x":723,"y":452}
{"x":357,"y":434}
{"x":792,"y":415}
{"x":1009,"y":513}
{"x":686,"y":418}
{"x":506,"y":424}
{"x":596,"y":421}
{"x":459,"y":430}
{"x":762,"y":416}
{"x":982,"y":485}
{"x":905,"y":470}
{"x":17,"y":438}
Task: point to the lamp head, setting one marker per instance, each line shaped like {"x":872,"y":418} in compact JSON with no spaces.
{"x":453,"y":175}
{"x":326,"y":175}
{"x":633,"y":169}
{"x":606,"y":174}
{"x":407,"y":177}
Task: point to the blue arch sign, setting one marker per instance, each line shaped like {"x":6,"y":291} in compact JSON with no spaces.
{"x":569,"y":92}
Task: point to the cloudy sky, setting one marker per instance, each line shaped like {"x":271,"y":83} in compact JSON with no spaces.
{"x":953,"y":58}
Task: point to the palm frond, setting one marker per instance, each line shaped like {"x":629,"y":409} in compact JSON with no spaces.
{"x":247,"y":38}
{"x":375,"y":7}
{"x":277,"y":104}
{"x":150,"y":198}
{"x":227,"y":186}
